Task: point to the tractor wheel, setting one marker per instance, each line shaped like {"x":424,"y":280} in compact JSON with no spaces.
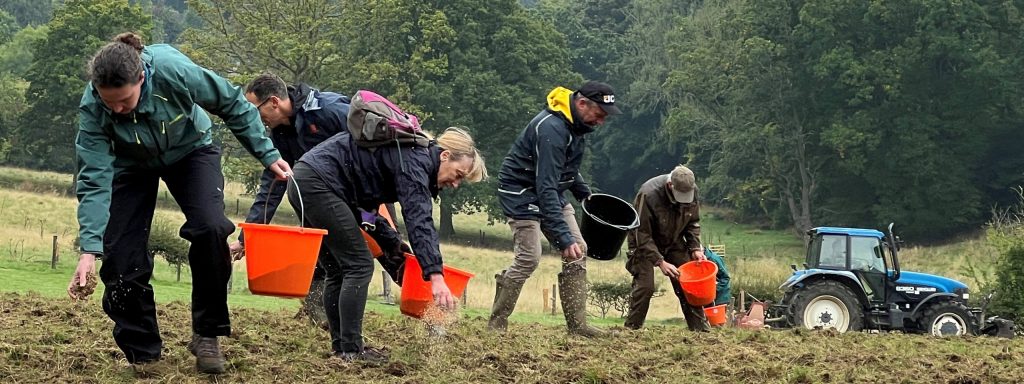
{"x":947,"y":318}
{"x":827,"y":304}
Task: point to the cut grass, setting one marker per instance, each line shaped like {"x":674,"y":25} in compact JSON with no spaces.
{"x":49,"y":340}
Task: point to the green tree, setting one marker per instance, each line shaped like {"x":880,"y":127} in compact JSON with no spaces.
{"x":918,"y":92}
{"x":483,"y":65}
{"x":45,"y":136}
{"x":12,"y":105}
{"x":741,"y":95}
{"x":8,"y":26}
{"x":633,"y":147}
{"x":17,"y":55}
{"x":292,"y":39}
{"x":29,"y":12}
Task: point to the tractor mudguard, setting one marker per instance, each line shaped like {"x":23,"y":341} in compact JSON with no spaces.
{"x":808,"y":276}
{"x":930,"y":299}
{"x":813,"y":274}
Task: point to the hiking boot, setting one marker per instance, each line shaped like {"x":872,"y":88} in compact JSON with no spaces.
{"x":209,"y":358}
{"x":572,"y":289}
{"x":506,"y":294}
{"x":369,"y":355}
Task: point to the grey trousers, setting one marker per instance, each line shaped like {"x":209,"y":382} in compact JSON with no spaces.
{"x":526,"y":236}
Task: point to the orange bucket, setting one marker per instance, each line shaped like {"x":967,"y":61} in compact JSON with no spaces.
{"x":697,"y":278}
{"x":715,"y":315}
{"x":417,"y":295}
{"x":280,"y":259}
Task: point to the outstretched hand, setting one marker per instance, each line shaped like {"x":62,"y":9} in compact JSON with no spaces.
{"x":442,"y":295}
{"x":79,"y":280}
{"x":668,"y":269}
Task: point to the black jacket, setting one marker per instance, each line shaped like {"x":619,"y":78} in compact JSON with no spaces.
{"x":544,"y":162}
{"x":366,"y":178}
{"x":318,"y":116}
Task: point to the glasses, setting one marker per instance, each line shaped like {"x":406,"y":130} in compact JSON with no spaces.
{"x":262,"y":115}
{"x":260,"y":105}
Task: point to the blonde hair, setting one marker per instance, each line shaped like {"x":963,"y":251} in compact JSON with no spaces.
{"x":461,"y":144}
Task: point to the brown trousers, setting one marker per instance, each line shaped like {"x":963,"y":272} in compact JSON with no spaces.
{"x":643,"y":272}
{"x":526,"y":235}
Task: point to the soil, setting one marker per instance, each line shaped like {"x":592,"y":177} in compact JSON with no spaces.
{"x":44,"y":339}
{"x":83,"y":292}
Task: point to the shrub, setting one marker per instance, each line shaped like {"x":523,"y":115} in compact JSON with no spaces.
{"x":164,"y":241}
{"x":1006,"y":232}
{"x":613,"y":295}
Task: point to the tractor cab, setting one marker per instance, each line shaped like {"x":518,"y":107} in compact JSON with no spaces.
{"x":852,"y":281}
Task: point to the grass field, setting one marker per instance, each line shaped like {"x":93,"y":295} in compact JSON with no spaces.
{"x":49,"y":341}
{"x":33,"y":209}
{"x":44,"y":337}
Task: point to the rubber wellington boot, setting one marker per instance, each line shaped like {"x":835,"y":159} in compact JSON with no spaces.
{"x":506,"y":294}
{"x":572,"y":289}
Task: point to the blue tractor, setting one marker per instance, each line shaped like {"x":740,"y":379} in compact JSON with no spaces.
{"x":852,"y":281}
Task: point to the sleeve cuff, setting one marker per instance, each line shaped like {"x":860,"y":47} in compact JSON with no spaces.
{"x":432,"y":270}
{"x":270,"y":158}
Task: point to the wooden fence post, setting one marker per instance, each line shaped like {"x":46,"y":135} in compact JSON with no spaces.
{"x":388,"y":298}
{"x":465,"y":296}
{"x":53,"y":259}
{"x":554,"y":295}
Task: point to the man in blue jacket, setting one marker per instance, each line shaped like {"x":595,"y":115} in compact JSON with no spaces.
{"x":299,"y":117}
{"x":543,"y":163}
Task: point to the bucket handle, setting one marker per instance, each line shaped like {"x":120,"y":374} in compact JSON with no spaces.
{"x":636,"y":221}
{"x":302,"y":207}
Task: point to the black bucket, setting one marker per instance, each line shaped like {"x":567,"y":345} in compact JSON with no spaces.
{"x":606,"y":220}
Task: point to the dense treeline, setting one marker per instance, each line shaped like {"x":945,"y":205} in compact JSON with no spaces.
{"x":795,"y":113}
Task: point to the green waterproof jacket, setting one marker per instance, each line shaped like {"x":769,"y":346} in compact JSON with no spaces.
{"x":169,"y":122}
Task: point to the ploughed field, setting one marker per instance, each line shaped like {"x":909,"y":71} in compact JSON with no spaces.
{"x":44,"y":339}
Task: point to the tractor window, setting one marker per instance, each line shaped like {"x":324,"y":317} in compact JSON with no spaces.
{"x":833,"y":252}
{"x":866,"y":254}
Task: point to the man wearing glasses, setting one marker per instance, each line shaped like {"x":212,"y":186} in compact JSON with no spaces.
{"x":299,"y":117}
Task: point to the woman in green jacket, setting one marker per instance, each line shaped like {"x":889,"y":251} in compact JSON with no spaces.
{"x":143,"y":118}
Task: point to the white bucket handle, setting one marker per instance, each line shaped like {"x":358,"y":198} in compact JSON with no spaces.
{"x":302,"y":207}
{"x":636,"y":216}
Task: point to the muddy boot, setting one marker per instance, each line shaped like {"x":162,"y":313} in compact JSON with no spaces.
{"x":209,"y":358}
{"x":506,"y":294}
{"x":572,"y":289}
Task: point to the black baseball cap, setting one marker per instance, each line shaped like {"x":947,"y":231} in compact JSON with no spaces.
{"x":602,"y":94}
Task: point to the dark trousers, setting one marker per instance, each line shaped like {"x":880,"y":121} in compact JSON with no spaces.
{"x":197,"y":185}
{"x":348,"y":266}
{"x":643,"y":273}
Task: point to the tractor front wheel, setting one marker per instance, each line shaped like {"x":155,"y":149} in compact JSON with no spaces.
{"x":827,"y":304}
{"x":947,"y":318}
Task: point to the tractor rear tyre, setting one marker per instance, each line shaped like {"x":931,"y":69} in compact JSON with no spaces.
{"x":827,"y":304}
{"x":947,"y":318}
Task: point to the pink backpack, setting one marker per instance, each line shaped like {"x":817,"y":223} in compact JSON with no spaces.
{"x":375,"y":121}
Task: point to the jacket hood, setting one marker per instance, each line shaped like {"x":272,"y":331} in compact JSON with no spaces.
{"x":560,"y":102}
{"x":299,"y":94}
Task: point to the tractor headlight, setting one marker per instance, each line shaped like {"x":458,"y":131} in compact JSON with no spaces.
{"x":962,"y":292}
